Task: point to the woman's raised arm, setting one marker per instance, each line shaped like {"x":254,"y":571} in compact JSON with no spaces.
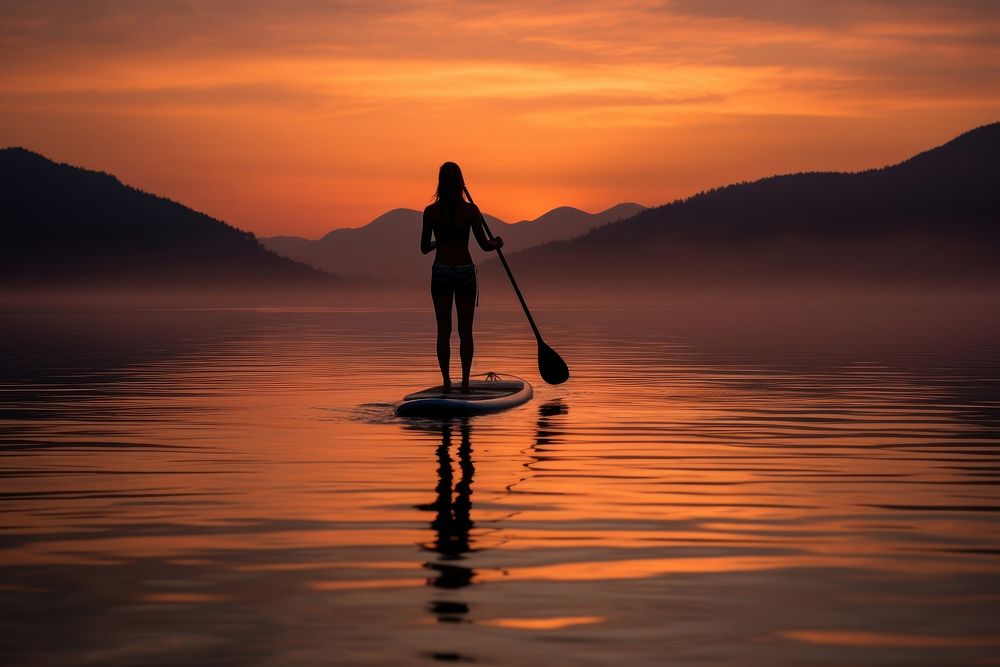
{"x":486,"y":243}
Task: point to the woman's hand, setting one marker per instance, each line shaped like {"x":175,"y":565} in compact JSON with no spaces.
{"x":497,"y":242}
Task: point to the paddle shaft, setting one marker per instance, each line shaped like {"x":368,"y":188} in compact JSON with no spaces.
{"x":513,"y":283}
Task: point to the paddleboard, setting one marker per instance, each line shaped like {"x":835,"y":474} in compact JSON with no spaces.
{"x":487,"y":393}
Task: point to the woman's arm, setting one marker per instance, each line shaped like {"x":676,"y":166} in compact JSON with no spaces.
{"x":426,"y":244}
{"x":479,"y":231}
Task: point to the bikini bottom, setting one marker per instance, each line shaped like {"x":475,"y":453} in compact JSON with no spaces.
{"x":454,"y":280}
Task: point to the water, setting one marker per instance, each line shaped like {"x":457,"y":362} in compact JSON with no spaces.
{"x":726,"y":487}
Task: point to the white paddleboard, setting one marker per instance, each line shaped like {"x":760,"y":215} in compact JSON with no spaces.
{"x":487,"y":393}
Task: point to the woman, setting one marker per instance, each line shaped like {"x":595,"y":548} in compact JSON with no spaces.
{"x":453,"y":275}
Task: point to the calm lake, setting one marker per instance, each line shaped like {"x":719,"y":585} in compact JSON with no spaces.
{"x":716,"y":486}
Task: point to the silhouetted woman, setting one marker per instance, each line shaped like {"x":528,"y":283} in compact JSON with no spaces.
{"x":453,"y":276}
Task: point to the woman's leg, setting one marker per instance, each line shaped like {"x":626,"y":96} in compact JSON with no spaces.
{"x":442,"y":312}
{"x":465,"y":304}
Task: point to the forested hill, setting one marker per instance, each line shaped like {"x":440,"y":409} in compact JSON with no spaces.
{"x":65,"y":225}
{"x":932,"y":218}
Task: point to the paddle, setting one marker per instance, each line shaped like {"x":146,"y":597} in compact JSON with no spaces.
{"x":550,"y":365}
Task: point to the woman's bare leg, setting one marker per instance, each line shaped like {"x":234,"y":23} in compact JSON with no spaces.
{"x":442,"y":312}
{"x":466,"y":307}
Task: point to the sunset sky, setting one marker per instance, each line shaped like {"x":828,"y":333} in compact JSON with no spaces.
{"x":296,"y":117}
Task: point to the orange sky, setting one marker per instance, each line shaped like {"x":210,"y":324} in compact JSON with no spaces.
{"x":296,"y":117}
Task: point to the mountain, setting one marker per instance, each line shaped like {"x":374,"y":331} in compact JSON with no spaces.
{"x":63,"y":225}
{"x":934,"y":218}
{"x":562,"y":223}
{"x":388,"y":247}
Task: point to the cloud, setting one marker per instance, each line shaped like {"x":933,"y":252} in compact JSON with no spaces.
{"x":839,"y":14}
{"x":609,"y":63}
{"x":579,"y":65}
{"x":169,"y":99}
{"x":365,"y":87}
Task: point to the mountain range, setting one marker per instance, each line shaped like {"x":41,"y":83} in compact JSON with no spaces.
{"x":65,"y":226}
{"x":931,"y":219}
{"x":388,"y":247}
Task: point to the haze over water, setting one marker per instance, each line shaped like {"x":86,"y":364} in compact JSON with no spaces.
{"x":713,"y":486}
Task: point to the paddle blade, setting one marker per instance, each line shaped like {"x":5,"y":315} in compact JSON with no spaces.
{"x":550,"y":365}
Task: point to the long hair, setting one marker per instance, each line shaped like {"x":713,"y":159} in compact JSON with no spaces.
{"x":450,"y":184}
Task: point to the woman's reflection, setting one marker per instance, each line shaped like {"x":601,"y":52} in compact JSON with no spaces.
{"x":452,"y":506}
{"x":452,"y":522}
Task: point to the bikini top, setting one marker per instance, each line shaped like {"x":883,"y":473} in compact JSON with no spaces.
{"x":449,"y":229}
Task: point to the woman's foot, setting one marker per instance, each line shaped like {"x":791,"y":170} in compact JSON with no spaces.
{"x":465,"y":385}
{"x":446,"y":386}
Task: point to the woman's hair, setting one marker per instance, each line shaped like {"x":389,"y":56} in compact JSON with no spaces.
{"x":450,"y":184}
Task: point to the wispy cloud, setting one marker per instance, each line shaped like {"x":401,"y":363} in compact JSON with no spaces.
{"x":370,"y":83}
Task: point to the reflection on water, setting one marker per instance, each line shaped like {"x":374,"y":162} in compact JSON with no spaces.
{"x":452,"y":522}
{"x":231,"y":487}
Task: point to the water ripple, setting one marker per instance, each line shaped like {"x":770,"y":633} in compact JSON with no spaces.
{"x":228,"y":487}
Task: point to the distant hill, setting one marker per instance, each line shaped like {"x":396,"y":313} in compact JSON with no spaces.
{"x":563,"y":223}
{"x":63,"y":225}
{"x":389,"y":246}
{"x":934,"y":218}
